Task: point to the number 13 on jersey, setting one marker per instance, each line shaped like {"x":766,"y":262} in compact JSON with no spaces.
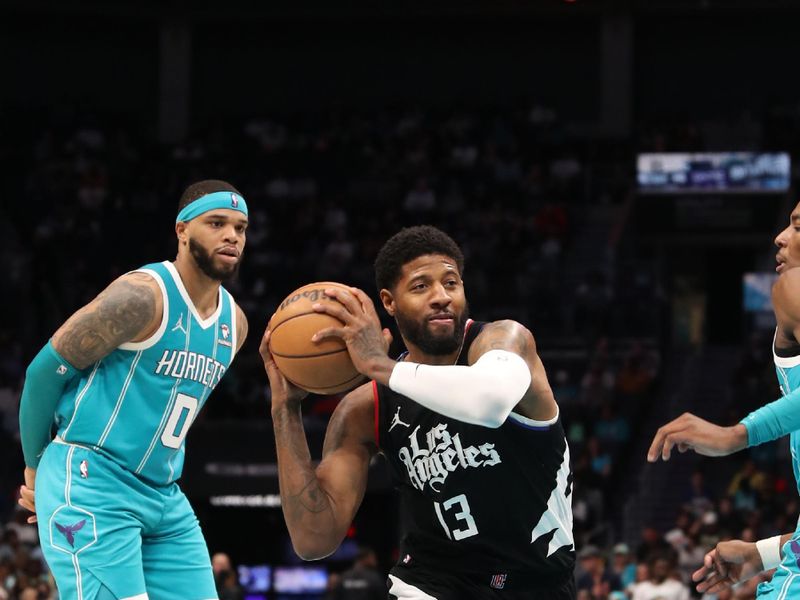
{"x":459,"y":506}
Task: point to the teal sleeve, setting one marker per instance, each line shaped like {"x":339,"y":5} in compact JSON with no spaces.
{"x":47,"y":376}
{"x":773,"y":420}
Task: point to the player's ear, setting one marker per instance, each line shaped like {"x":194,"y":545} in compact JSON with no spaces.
{"x":180,"y":231}
{"x":388,"y":301}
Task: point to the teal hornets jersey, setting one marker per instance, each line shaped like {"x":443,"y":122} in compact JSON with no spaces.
{"x":137,"y":404}
{"x":788,"y":369}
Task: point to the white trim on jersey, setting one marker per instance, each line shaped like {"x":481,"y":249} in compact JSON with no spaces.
{"x":67,"y":493}
{"x":557,"y":517}
{"x":532,"y":422}
{"x":787,"y":583}
{"x":201,"y":401}
{"x":59,"y":440}
{"x":234,"y":339}
{"x":787,"y":362}
{"x":137,"y":597}
{"x":405,"y":591}
{"x":122,"y":393}
{"x":153,"y":339}
{"x":167,"y":410}
{"x":204,"y":323}
{"x":79,"y":398}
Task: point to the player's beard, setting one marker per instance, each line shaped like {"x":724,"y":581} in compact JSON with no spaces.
{"x":419,"y":334}
{"x":205,"y":262}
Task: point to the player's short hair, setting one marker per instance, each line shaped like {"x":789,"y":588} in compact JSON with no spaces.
{"x":410,"y":243}
{"x":201,"y":188}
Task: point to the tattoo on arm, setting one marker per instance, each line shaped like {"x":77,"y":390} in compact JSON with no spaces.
{"x":311,"y":498}
{"x":503,"y":335}
{"x":119,"y":314}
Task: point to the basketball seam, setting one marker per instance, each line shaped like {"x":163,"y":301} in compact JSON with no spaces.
{"x":328,"y":353}
{"x":302,"y":314}
{"x":321,"y":390}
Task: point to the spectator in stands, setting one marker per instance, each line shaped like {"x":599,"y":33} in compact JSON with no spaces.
{"x":623,"y":565}
{"x":611,"y":427}
{"x":225,"y":577}
{"x":362,"y":581}
{"x":653,"y":543}
{"x":698,"y":498}
{"x":597,"y":580}
{"x":662,"y":584}
{"x":746,"y":485}
{"x":636,"y":375}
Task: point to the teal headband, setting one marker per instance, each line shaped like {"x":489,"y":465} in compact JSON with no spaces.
{"x":229,"y":200}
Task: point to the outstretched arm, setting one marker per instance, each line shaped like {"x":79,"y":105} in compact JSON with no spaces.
{"x":690,"y":432}
{"x":319,"y":504}
{"x":770,"y":422}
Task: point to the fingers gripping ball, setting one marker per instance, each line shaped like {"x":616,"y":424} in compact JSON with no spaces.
{"x":322,"y":367}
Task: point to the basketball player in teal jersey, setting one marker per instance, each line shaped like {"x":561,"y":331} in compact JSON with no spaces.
{"x":734,"y":561}
{"x":122,"y":380}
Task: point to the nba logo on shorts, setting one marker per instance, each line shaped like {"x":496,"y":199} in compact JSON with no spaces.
{"x":234,"y":201}
{"x":498,"y":581}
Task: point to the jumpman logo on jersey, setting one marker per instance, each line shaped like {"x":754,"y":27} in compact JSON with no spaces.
{"x":69,"y":530}
{"x":396,"y":420}
{"x":179,"y":324}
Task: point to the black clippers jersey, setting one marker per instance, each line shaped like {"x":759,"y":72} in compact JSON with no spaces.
{"x":479,"y":500}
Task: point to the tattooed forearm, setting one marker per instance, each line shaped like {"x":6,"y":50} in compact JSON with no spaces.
{"x":311,"y":499}
{"x":119,"y":314}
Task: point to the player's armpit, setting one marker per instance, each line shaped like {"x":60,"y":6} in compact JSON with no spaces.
{"x":127,"y":310}
{"x":241,"y":328}
{"x":320,"y":508}
{"x":503,"y":335}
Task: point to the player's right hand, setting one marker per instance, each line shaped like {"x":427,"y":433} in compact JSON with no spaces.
{"x":283,"y":391}
{"x":26,"y":495}
{"x":726,"y":565}
{"x":689,"y":432}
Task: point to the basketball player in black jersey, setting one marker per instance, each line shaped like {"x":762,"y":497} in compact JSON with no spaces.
{"x":468,"y":423}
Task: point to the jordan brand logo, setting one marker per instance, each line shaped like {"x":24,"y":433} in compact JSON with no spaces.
{"x":396,"y":420}
{"x":69,"y":531}
{"x":179,"y":324}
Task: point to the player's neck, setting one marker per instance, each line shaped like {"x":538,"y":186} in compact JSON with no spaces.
{"x":415,"y":354}
{"x":203,"y":291}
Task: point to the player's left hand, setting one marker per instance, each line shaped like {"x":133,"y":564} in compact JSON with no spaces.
{"x":282,"y":391}
{"x":689,"y":432}
{"x":731,"y":562}
{"x":26,"y":495}
{"x":367,"y":343}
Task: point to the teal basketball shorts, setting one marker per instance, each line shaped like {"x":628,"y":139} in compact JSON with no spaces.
{"x":106,"y":534}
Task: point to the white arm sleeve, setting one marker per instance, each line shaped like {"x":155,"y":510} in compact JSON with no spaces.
{"x":482,"y":394}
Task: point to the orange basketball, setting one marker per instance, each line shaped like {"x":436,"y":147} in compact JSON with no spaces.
{"x":322,"y":367}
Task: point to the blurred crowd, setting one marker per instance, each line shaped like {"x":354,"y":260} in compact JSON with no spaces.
{"x":98,"y":196}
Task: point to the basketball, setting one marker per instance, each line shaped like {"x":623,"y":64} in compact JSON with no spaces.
{"x":323,"y":367}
